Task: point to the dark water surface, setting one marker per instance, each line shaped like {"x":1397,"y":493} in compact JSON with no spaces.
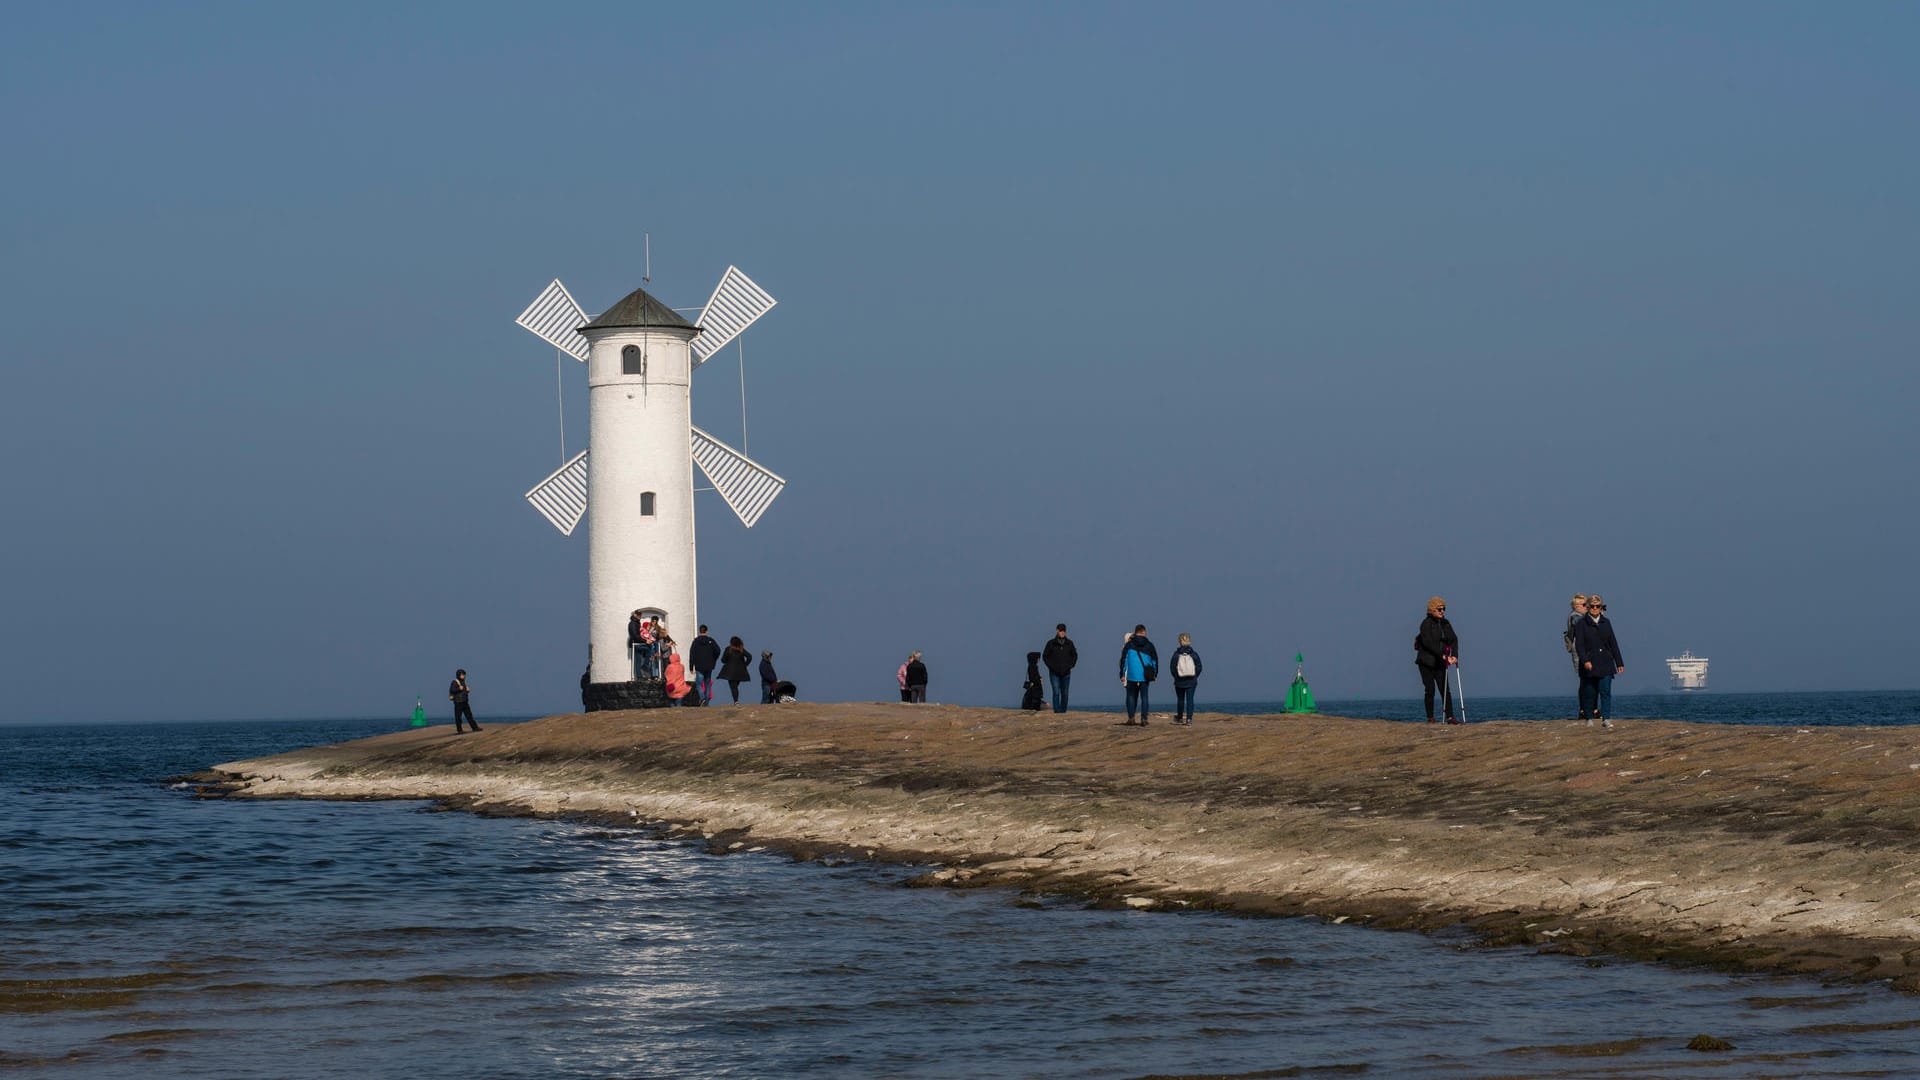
{"x":145,"y":932}
{"x":1861,"y":708}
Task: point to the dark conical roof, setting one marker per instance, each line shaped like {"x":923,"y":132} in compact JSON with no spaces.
{"x":638,"y":308}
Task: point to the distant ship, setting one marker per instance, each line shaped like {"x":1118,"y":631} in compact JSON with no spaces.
{"x":1689,"y":671}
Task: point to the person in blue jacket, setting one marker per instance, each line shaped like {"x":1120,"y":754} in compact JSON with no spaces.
{"x":1599,"y":655}
{"x":1139,"y":665}
{"x":1186,"y":675}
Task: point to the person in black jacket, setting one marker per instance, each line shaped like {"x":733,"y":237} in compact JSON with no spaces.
{"x":1436,"y":649}
{"x":703,"y":654}
{"x":916,"y":679}
{"x":1599,"y":655}
{"x":768,"y":680}
{"x":457,"y":693}
{"x":1033,"y":698}
{"x":733,"y":666}
{"x":1186,"y":670}
{"x":1060,"y":656}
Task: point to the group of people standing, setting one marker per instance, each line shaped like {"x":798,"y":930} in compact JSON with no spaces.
{"x":1139,"y":667}
{"x":912,"y":677}
{"x":655,"y":656}
{"x":1596,"y":657}
{"x":1589,"y":640}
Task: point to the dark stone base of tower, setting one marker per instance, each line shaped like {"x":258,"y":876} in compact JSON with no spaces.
{"x":638,"y":694}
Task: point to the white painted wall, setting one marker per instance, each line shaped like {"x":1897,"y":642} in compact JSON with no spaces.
{"x":640,"y":428}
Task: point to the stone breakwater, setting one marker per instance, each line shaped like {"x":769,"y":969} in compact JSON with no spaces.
{"x":1766,"y":849}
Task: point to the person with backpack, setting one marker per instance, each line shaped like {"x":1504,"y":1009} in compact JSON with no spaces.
{"x":1033,"y":698}
{"x":459,"y":693}
{"x":1060,"y":656}
{"x":1574,"y":617}
{"x":1599,"y":655}
{"x":1186,"y":676}
{"x":1436,"y":649}
{"x":1139,"y":665}
{"x":916,"y":679}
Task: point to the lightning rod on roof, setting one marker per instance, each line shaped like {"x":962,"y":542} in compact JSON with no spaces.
{"x":646,"y":272}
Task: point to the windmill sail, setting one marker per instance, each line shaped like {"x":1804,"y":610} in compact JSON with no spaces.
{"x":748,"y":486}
{"x":562,"y":497}
{"x":736,"y":302}
{"x":553,"y":317}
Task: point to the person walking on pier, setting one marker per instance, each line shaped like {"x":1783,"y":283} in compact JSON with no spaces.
{"x":1060,"y":656}
{"x":1186,"y":676}
{"x":1574,"y":618}
{"x":767,"y":678}
{"x":733,"y":666}
{"x":1436,"y":649}
{"x":457,"y":692}
{"x":1599,"y":654}
{"x":1139,"y":665}
{"x":1031,"y":697}
{"x":916,"y":679}
{"x":703,"y":654}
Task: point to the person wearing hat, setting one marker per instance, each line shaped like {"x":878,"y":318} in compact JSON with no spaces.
{"x":1060,"y":656}
{"x":767,"y":677}
{"x":1599,"y":654}
{"x":457,"y":692}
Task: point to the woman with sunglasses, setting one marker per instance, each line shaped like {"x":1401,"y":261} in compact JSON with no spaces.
{"x":1435,"y":649}
{"x":1598,"y":652}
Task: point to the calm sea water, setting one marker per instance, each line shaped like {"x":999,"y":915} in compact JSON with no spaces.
{"x":1870,"y":708}
{"x":148,"y":933}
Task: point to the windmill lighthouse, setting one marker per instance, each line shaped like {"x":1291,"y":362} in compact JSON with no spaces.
{"x":638,"y":474}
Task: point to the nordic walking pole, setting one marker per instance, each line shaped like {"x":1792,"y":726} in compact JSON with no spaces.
{"x":1461,"y":690}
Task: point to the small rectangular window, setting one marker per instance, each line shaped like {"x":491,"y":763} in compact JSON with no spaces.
{"x":633,"y":361}
{"x":646,"y":504}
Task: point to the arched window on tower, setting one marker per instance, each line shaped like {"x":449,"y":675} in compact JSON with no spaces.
{"x":646,"y":504}
{"x":633,"y":361}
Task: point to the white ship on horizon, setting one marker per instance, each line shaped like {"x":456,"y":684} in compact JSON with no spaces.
{"x":1689,"y":672}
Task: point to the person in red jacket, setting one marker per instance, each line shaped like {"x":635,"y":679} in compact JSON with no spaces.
{"x":676,"y":676}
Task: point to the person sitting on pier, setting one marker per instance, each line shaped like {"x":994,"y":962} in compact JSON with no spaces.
{"x":676,"y":675}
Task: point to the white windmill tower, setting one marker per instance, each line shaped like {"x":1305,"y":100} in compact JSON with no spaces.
{"x":638,"y":472}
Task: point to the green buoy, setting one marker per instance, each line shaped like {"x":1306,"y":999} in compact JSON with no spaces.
{"x":1299,"y":695}
{"x":419,"y":712}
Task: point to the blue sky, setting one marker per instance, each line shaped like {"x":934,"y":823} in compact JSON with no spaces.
{"x":1261,"y":322}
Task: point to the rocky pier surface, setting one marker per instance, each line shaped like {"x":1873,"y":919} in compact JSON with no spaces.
{"x":1758,"y":848}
